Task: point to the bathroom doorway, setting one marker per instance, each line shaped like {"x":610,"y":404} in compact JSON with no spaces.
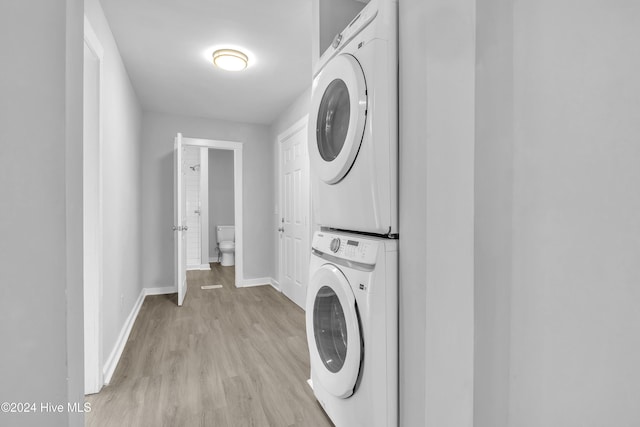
{"x":209,"y":179}
{"x":212,"y":171}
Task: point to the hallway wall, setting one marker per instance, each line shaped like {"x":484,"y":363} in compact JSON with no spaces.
{"x":575,"y":323}
{"x":159,"y":131}
{"x":557,"y":225}
{"x":41,"y":205}
{"x":121,"y":142}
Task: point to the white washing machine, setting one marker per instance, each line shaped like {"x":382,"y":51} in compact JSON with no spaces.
{"x":352,"y":328}
{"x":353,"y":125}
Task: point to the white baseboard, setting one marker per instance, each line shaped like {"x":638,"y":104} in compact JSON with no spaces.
{"x":260,"y":281}
{"x":112,"y":362}
{"x":199,"y":267}
{"x":275,"y":284}
{"x":160,"y":291}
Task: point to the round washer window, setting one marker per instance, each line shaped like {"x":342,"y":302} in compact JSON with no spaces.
{"x":333,"y":120}
{"x":330,"y":329}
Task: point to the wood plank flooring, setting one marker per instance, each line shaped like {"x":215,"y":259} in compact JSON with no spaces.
{"x":227,"y":357}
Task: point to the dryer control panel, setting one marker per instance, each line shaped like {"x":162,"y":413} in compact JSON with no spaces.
{"x":346,"y":246}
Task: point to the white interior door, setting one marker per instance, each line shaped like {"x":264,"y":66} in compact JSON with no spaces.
{"x":180,"y":219}
{"x":294,"y":208}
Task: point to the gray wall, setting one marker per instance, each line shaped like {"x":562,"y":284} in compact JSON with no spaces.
{"x":575,"y":322}
{"x":221,"y":194}
{"x":493,"y":210}
{"x":159,"y":131}
{"x":121,"y":177}
{"x":437,"y":69}
{"x":40,"y":168}
{"x":556,"y":214}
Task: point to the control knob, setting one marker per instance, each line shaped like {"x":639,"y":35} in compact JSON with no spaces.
{"x":335,"y":245}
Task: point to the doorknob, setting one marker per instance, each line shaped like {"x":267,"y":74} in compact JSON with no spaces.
{"x":281,"y":229}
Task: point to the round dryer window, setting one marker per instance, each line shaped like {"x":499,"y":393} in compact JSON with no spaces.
{"x":333,"y":120}
{"x":337,"y":119}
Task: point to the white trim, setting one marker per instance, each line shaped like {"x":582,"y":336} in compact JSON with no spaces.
{"x":260,"y":281}
{"x":237,"y":194}
{"x":116,"y":353}
{"x":213,"y":143}
{"x":92,"y":39}
{"x":198,"y":267}
{"x":93,"y":336}
{"x":275,"y":284}
{"x":160,"y":291}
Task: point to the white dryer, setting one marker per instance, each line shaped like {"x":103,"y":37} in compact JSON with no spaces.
{"x":352,"y":328}
{"x":353,"y":125}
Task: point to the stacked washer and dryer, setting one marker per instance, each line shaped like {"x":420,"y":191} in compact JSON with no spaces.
{"x":352,"y":298}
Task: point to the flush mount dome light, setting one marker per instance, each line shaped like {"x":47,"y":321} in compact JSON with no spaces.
{"x":230,"y":59}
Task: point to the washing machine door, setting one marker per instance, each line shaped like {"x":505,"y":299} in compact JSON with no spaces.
{"x":333,"y":331}
{"x":337,"y":118}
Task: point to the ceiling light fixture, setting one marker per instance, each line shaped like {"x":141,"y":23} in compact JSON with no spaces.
{"x":230,"y":59}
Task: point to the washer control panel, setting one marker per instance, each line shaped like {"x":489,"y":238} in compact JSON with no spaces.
{"x":346,"y":246}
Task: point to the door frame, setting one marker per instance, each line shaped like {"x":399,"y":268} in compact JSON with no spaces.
{"x":237,"y":193}
{"x":93,"y":322}
{"x":290,"y":131}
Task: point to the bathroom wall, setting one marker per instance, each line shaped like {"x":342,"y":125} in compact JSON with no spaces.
{"x":221,"y":194}
{"x":41,"y":175}
{"x":122,"y":213}
{"x":158,"y":133}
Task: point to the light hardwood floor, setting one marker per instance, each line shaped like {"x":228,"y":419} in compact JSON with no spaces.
{"x":227,"y":357}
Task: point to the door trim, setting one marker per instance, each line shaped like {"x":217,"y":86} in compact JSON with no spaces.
{"x":237,"y":193}
{"x":282,"y":137}
{"x":93,"y":358}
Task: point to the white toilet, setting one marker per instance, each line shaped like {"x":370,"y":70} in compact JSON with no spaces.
{"x":226,"y":236}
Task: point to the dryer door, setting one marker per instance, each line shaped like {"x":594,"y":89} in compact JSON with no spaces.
{"x":333,"y":331}
{"x":337,"y":118}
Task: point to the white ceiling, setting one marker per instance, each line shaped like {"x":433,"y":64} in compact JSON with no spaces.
{"x":163,"y":45}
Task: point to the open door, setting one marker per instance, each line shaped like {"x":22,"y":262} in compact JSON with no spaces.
{"x":180,"y":220}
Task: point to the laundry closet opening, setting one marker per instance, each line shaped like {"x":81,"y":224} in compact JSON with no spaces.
{"x":210,"y":212}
